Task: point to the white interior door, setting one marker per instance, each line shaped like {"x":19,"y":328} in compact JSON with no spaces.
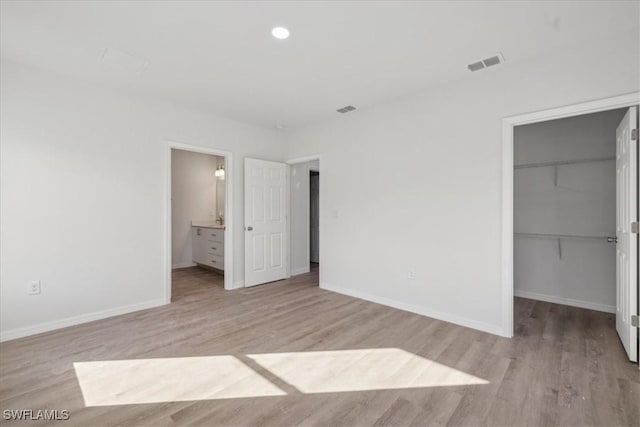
{"x":265,"y":221}
{"x":627,"y":246}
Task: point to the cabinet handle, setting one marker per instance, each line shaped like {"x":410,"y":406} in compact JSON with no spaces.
{"x":213,"y":261}
{"x":213,"y":248}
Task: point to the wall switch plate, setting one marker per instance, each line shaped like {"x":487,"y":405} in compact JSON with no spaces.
{"x":33,"y":288}
{"x":411,"y":275}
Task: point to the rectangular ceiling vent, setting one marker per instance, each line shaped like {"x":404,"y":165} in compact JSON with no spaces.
{"x":346,"y":109}
{"x":487,"y":62}
{"x":476,"y":66}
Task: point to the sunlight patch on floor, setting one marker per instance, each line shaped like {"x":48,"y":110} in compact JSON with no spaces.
{"x":360,"y":370}
{"x":136,"y":381}
{"x":123,"y":382}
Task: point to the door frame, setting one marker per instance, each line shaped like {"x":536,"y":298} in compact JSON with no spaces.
{"x":508,"y":123}
{"x":289,"y":163}
{"x":228,"y":211}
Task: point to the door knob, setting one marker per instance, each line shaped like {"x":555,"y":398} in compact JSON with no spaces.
{"x":249,"y":228}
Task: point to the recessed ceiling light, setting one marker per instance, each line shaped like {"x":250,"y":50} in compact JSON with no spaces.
{"x":280,"y":33}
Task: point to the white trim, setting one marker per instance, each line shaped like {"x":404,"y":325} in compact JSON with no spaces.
{"x":303,"y":159}
{"x":228,"y":211}
{"x":184,"y":264}
{"x":566,"y":301}
{"x":508,"y":124}
{"x":579,"y":109}
{"x":299,"y":271}
{"x":239,"y":284}
{"x":39,"y":328}
{"x":462,"y":321}
{"x":507,"y":229}
{"x":294,"y":161}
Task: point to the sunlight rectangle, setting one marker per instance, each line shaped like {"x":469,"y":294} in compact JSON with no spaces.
{"x":360,"y":370}
{"x":124,"y":382}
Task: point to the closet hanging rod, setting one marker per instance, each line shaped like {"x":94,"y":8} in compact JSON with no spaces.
{"x":564,"y":236}
{"x":562,"y":162}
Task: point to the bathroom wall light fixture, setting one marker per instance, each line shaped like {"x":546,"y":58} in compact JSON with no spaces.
{"x":220,"y":172}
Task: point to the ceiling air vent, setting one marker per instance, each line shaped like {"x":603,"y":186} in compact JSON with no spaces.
{"x":487,"y":62}
{"x":346,"y":109}
{"x":476,"y":66}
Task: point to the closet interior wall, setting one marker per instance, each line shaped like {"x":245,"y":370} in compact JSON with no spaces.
{"x":564,"y":210}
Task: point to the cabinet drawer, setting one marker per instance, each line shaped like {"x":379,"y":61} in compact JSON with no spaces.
{"x":215,"y":248}
{"x":214,"y":261}
{"x":214,"y":234}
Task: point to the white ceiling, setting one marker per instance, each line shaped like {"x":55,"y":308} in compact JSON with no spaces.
{"x":220,"y":56}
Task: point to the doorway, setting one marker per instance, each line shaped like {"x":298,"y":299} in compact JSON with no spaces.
{"x":199,"y":217}
{"x":561,"y":217}
{"x":304,"y":211}
{"x":314,"y":216}
{"x":565,"y":210}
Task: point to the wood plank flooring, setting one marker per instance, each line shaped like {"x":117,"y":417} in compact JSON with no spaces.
{"x":565,"y":365}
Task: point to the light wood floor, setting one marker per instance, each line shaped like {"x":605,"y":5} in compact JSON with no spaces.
{"x":565,"y":366}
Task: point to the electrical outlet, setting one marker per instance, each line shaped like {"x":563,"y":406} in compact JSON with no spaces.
{"x":33,"y":288}
{"x":411,"y":275}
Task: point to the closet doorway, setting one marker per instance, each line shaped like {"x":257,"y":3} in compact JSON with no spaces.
{"x":304,"y":211}
{"x":574,"y":209}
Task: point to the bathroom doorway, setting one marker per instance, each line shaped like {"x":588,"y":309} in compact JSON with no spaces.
{"x":199,"y":243}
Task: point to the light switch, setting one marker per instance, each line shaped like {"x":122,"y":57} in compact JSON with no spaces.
{"x":33,"y":288}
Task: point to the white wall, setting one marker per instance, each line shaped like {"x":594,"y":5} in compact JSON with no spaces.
{"x":83,"y":181}
{"x":435,"y":206}
{"x":582,"y":203}
{"x":299,"y":202}
{"x":193,"y":198}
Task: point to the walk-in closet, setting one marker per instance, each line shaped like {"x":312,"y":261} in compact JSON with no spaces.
{"x":565,"y":210}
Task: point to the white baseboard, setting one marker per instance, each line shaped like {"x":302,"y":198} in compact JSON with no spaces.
{"x":184,"y":264}
{"x":424,"y":311}
{"x":565,"y":301}
{"x":298,"y":271}
{"x":39,"y":328}
{"x":239,"y":284}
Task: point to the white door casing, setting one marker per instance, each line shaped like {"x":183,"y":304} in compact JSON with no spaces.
{"x":627,"y":245}
{"x":265,"y":221}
